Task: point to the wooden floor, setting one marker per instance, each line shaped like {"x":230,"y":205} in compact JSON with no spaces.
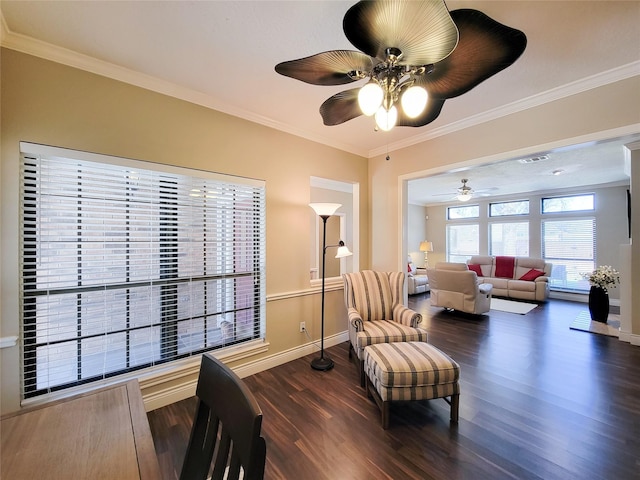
{"x":538,"y":401}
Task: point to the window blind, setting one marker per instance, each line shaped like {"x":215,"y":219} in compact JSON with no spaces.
{"x":570,"y":245}
{"x":130,"y":264}
{"x":463,"y":241}
{"x":509,"y":238}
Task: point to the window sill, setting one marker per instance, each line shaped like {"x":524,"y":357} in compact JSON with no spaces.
{"x":8,"y":342}
{"x":156,"y":382}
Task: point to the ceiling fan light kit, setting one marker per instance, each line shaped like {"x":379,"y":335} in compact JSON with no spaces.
{"x":415,"y":53}
{"x":465,"y":193}
{"x":370,"y":98}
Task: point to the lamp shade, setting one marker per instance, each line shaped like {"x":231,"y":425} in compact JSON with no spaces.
{"x":464,"y":197}
{"x":343,"y":252}
{"x":325,"y":209}
{"x":426,"y":246}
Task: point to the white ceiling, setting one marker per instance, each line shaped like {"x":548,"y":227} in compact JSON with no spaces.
{"x":558,"y":170}
{"x":222,"y":54}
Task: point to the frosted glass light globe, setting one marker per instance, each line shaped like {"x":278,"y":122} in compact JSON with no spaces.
{"x":386,"y":120}
{"x":413,"y":100}
{"x":370,"y":98}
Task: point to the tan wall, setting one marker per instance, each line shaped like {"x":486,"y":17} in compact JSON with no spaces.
{"x":48,"y":103}
{"x":417,"y":233}
{"x":596,"y":114}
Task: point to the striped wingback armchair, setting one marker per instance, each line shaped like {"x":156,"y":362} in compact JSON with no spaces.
{"x":376,"y":312}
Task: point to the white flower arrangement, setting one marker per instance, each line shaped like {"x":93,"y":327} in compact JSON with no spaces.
{"x":604,"y":276}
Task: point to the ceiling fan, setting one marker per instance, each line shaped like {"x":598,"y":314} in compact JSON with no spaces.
{"x":465,"y":192}
{"x":415,"y":52}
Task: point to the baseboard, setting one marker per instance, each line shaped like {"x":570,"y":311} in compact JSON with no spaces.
{"x":632,"y":338}
{"x":251,"y":368}
{"x":579,"y":297}
{"x":181,"y":384}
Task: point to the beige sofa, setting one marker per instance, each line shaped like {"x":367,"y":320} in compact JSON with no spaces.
{"x":455,"y":287}
{"x":524,"y":278}
{"x":417,"y":280}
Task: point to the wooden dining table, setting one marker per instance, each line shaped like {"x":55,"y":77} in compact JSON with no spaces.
{"x":103,"y":434}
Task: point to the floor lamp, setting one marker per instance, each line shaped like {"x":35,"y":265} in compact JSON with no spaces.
{"x":426,"y":247}
{"x":324,"y":211}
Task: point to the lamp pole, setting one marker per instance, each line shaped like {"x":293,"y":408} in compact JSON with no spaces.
{"x":324,"y":211}
{"x":322,"y":362}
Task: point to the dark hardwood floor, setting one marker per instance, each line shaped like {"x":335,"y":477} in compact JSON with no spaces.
{"x":538,"y":401}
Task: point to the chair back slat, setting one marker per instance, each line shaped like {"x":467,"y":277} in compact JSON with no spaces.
{"x":227,"y":424}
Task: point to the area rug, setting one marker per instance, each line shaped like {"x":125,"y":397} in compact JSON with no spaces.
{"x":584,"y":323}
{"x":521,"y":308}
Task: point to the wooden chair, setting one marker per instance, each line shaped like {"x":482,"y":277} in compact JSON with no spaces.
{"x":227,"y":423}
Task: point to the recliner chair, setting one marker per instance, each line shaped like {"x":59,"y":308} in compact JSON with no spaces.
{"x":455,"y":287}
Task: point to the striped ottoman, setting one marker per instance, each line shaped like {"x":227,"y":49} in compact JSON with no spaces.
{"x":407,"y":371}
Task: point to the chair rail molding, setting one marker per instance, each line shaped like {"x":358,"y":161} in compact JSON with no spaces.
{"x":7,"y":342}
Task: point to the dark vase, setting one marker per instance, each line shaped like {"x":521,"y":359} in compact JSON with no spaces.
{"x":598,"y":304}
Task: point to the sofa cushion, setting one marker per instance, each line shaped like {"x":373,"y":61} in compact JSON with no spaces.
{"x":531,"y":275}
{"x":487,"y":264}
{"x":460,"y":267}
{"x":524,"y":264}
{"x":420,"y":280}
{"x":410,"y":364}
{"x":521,"y":286}
{"x":476,"y":268}
{"x":505,"y":266}
{"x":383,"y":331}
{"x":500,"y":283}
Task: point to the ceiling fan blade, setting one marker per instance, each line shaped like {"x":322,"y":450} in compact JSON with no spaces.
{"x":422,"y":30}
{"x":485,"y":48}
{"x":327,"y":68}
{"x":341,"y":107}
{"x":430,"y":113}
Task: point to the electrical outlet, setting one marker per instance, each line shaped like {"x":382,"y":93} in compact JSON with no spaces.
{"x":302,"y":327}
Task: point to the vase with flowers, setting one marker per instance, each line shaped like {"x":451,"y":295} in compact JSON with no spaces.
{"x":601,"y":279}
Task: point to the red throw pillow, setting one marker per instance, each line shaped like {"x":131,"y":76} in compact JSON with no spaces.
{"x":476,"y":268}
{"x":409,"y":267}
{"x":532,"y":275}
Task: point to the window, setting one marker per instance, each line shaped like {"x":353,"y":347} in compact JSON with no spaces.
{"x":509,"y":239}
{"x":570,"y":246}
{"x":130,"y":264}
{"x":462,"y":242}
{"x":570,"y":203}
{"x":500,"y":209}
{"x":468,"y":211}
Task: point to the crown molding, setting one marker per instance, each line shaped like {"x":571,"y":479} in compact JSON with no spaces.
{"x":47,"y":51}
{"x":37,"y":48}
{"x":604,"y":78}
